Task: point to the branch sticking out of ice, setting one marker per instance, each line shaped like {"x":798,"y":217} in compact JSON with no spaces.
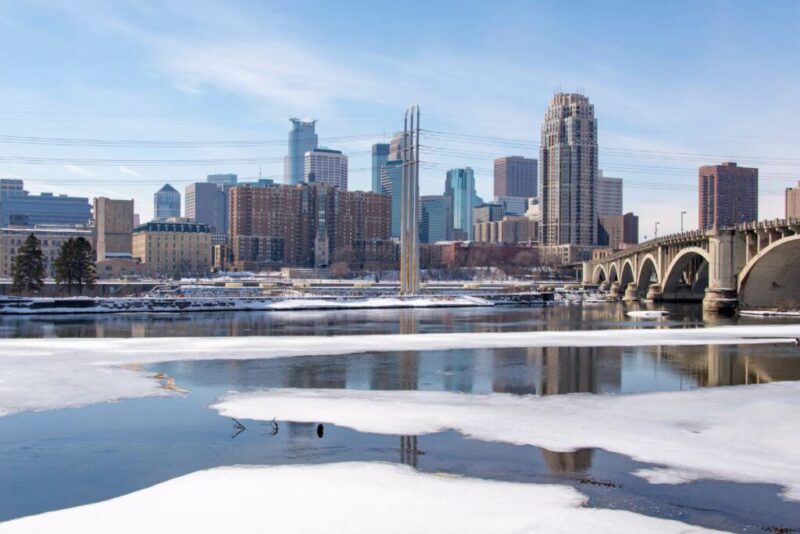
{"x":740,"y":433}
{"x":343,"y":497}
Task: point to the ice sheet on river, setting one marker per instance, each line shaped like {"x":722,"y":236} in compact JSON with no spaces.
{"x":343,"y":497}
{"x":739,"y":433}
{"x":48,"y":373}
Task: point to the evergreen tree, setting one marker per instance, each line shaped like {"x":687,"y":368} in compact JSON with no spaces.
{"x":28,"y":269}
{"x":75,"y":264}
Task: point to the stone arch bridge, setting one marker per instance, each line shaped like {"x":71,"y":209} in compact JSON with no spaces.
{"x":752,"y":265}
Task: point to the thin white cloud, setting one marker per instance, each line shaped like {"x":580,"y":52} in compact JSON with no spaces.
{"x":129,"y":172}
{"x":79,"y":171}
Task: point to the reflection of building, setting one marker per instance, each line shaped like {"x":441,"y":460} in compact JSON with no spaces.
{"x":559,"y":463}
{"x":581,"y":370}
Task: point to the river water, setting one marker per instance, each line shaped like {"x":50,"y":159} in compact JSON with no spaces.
{"x":62,"y":458}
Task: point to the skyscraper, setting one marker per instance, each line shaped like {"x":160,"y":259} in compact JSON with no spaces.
{"x":728,"y":195}
{"x":113,"y":226}
{"x":391,"y":184}
{"x":568,"y":156}
{"x":302,"y":138}
{"x":436,"y":222}
{"x":380,"y":155}
{"x":793,"y":202}
{"x":516,"y":176}
{"x":167,"y":203}
{"x":460,"y":187}
{"x":326,"y":166}
{"x":206,"y":203}
{"x":609,"y":196}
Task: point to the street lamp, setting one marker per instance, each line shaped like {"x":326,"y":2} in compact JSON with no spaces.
{"x":682,"y":214}
{"x":655,"y":233}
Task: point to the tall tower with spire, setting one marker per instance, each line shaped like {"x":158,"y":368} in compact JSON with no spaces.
{"x":569,"y":173}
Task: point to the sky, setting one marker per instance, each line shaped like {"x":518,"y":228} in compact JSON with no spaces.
{"x":205,"y":87}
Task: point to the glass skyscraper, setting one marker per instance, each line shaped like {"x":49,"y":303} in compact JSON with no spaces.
{"x":460,"y":187}
{"x":380,"y":155}
{"x":166,"y":203}
{"x":436,"y":219}
{"x":391,"y":184}
{"x":18,"y":207}
{"x":302,"y":139}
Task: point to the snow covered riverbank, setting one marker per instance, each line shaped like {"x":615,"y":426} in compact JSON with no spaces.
{"x":344,"y":497}
{"x":42,"y":373}
{"x":740,"y":433}
{"x":85,"y":305}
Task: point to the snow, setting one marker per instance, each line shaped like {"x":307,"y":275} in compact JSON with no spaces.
{"x":343,"y":497}
{"x":770,"y":313}
{"x":221,"y":303}
{"x":48,"y":373}
{"x":739,"y":433}
{"x":647,"y":314}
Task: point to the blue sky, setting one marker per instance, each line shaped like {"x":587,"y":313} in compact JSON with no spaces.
{"x":674,"y":84}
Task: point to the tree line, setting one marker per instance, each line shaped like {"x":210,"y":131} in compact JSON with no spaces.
{"x":74,"y":268}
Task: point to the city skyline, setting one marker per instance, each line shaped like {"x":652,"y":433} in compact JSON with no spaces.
{"x":158,"y":92}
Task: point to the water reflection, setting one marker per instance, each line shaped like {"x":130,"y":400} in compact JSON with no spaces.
{"x":561,"y":463}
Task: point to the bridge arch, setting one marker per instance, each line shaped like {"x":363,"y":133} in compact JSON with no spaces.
{"x":599,"y":275}
{"x":686,"y":278}
{"x":613,"y":273}
{"x":648,"y":274}
{"x":771,"y":279}
{"x":628,"y":275}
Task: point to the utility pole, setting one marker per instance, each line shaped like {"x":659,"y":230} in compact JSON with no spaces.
{"x":409,"y":205}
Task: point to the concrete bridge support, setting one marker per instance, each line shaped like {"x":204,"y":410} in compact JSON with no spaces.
{"x":721,"y":292}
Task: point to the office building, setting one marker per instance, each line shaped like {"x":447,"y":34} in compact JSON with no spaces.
{"x":509,"y":230}
{"x":391,"y":184}
{"x":113,"y":227}
{"x":173,"y":248}
{"x":513,"y":205}
{"x":568,"y":159}
{"x":308,"y":225}
{"x":302,"y":138}
{"x":616,"y":231}
{"x":51,"y":238}
{"x":436,"y":219}
{"x":516,"y":176}
{"x":20,"y":208}
{"x":396,"y":147}
{"x":793,"y":202}
{"x":487,"y":213}
{"x":222,"y":179}
{"x":326,"y":166}
{"x":460,"y":187}
{"x":609,"y":196}
{"x":166,"y":203}
{"x":380,"y":155}
{"x":206,"y":203}
{"x":728,"y":195}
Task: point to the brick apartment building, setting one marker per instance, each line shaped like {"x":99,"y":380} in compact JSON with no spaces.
{"x":728,"y":195}
{"x":308,"y":225}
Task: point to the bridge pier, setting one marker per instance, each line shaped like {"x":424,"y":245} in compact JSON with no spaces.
{"x":720,"y":300}
{"x":613,"y":291}
{"x":630,"y":292}
{"x":654,"y":292}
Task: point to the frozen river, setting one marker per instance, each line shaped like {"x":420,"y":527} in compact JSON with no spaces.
{"x":66,"y":457}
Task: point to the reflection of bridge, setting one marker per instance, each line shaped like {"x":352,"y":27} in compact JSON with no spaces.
{"x":753,"y":264}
